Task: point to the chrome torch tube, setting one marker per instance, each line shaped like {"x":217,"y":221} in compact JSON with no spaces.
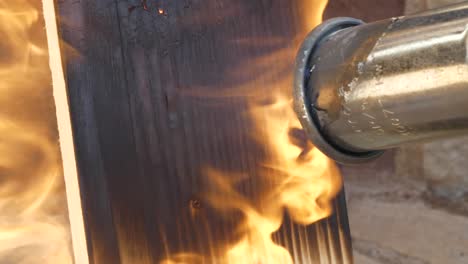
{"x":363,"y":88}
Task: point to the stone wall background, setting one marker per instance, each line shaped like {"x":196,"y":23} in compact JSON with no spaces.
{"x":411,"y":205}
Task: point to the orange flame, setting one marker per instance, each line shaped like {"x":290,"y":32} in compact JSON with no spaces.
{"x":33,"y":221}
{"x":304,"y":180}
{"x":305,"y":184}
{"x":310,"y":180}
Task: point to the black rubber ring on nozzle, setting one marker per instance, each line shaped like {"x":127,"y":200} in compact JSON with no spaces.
{"x":304,"y":110}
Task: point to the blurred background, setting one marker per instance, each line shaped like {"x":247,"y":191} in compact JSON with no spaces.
{"x":411,"y":205}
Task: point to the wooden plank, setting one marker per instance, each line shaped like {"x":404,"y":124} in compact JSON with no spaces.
{"x":158,"y":93}
{"x":67,"y":150}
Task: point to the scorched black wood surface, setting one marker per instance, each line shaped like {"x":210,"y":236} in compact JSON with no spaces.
{"x":157,"y":94}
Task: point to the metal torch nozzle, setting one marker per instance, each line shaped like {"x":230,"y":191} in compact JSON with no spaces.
{"x":362,"y":88}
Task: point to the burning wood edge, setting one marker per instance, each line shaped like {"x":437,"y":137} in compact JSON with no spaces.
{"x":67,"y":149}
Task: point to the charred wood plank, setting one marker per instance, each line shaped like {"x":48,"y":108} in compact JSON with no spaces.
{"x":154,"y":91}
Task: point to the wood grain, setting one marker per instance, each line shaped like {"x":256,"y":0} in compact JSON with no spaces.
{"x":156,"y":97}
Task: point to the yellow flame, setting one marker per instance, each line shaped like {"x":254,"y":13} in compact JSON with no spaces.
{"x":310,"y":179}
{"x":33,"y":215}
{"x":302,"y":180}
{"x":306,"y":181}
{"x":312,"y":19}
